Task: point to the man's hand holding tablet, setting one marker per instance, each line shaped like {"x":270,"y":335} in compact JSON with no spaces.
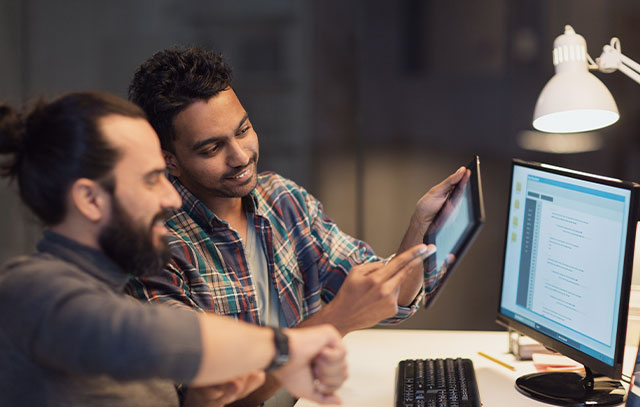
{"x":373,"y":292}
{"x":454,"y":228}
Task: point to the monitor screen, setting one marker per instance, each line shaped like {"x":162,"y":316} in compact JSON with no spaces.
{"x":567,"y":263}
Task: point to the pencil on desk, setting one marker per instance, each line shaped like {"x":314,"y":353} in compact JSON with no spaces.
{"x":498,"y":361}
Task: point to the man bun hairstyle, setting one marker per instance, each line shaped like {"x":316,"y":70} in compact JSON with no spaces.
{"x":11,"y":135}
{"x":56,"y":144}
{"x":169,"y":81}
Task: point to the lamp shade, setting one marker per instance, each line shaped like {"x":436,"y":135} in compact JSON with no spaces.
{"x":574,"y":100}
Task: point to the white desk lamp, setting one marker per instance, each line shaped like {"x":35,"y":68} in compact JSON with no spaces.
{"x":574,"y":100}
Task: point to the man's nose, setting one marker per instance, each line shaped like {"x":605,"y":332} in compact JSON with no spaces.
{"x":237,"y":156}
{"x":171,"y":198}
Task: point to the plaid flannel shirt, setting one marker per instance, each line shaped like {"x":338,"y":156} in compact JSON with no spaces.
{"x":308,"y":257}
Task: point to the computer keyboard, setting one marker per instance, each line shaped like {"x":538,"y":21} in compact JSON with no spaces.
{"x":437,"y":383}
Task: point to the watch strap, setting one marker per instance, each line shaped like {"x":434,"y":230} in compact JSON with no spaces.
{"x":281,"y":344}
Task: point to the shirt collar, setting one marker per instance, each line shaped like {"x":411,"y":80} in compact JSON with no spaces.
{"x":203,"y":215}
{"x":89,"y":259}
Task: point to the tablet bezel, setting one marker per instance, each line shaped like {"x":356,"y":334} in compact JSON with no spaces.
{"x":478,"y":218}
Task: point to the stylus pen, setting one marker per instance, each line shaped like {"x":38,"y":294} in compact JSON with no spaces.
{"x":498,"y":361}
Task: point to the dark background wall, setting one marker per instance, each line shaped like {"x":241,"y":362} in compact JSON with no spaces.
{"x":367,"y":103}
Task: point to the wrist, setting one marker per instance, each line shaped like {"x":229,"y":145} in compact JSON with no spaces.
{"x":327,"y":316}
{"x":281,"y":350}
{"x":418,"y":226}
{"x":414,"y":234}
{"x":334,"y":314}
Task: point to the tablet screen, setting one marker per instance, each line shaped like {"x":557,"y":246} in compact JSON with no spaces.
{"x":454,"y":228}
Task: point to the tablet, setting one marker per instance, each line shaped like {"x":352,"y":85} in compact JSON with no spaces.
{"x":453,"y":229}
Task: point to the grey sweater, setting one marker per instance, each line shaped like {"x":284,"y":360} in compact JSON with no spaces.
{"x":70,"y":337}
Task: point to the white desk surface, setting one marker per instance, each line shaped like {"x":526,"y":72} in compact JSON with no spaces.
{"x":373,"y":356}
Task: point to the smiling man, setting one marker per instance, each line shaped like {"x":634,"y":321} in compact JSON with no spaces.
{"x":89,"y":166}
{"x":256,"y":246}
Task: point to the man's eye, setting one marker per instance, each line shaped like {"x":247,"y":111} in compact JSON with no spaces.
{"x":210,"y":150}
{"x":153,"y":180}
{"x":244,"y":130}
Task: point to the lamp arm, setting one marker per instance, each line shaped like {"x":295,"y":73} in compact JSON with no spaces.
{"x":630,"y":68}
{"x":630,"y":73}
{"x":612,"y":59}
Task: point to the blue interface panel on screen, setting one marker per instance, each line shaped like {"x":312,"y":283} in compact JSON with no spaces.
{"x":563,"y":235}
{"x":567,"y":265}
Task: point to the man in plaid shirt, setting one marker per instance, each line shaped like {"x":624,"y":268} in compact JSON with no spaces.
{"x":255,"y":246}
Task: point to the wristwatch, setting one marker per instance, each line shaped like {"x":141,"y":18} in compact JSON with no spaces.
{"x":281,"y":342}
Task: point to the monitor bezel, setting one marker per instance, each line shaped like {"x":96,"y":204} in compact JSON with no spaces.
{"x":612,"y":371}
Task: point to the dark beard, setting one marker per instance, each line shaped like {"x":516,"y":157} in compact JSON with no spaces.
{"x":130,"y":245}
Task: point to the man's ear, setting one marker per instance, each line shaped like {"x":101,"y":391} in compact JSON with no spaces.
{"x":171,"y":162}
{"x":90,"y":199}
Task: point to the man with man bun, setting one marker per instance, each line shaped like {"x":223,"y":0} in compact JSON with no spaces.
{"x":90,"y":168}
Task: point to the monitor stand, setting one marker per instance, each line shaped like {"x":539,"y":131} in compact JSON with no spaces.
{"x":571,"y":389}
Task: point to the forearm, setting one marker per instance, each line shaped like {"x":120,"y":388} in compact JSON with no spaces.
{"x":427,"y":209}
{"x":414,"y":234}
{"x":411,"y":286}
{"x":231,"y":348}
{"x":369,"y":294}
{"x":330,"y":314}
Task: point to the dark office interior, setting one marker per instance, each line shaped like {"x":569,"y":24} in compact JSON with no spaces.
{"x":366,"y":103}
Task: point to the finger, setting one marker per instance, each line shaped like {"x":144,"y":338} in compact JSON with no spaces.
{"x":230,"y":392}
{"x":398,"y":263}
{"x":240,"y":387}
{"x":214,"y":392}
{"x":209,"y":395}
{"x":368,"y":268}
{"x":330,"y":373}
{"x":233,"y":391}
{"x":329,"y":384}
{"x":431,"y":249}
{"x":326,"y":388}
{"x":332,"y":354}
{"x":443,"y":188}
{"x":450,"y":259}
{"x":330,"y":367}
{"x":330,"y":377}
{"x":415,"y":264}
{"x":252,"y":382}
{"x":465,"y":179}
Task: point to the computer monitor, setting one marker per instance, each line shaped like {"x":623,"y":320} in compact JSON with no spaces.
{"x":567,"y":276}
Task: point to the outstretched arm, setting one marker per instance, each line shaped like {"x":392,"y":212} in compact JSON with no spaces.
{"x":369,"y":294}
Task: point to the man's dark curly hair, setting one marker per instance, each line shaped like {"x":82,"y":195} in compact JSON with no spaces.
{"x":169,"y":81}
